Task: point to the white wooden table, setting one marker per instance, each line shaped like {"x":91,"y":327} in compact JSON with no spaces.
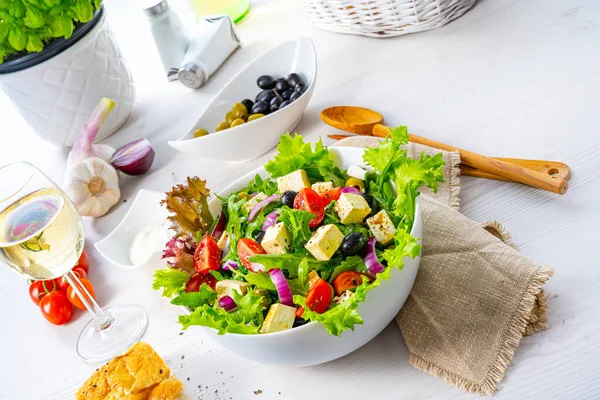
{"x":510,"y":78}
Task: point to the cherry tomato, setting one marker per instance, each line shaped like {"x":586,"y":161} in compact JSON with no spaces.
{"x":330,"y":195}
{"x":84,"y":262}
{"x":319,"y":297}
{"x":299,"y":312}
{"x":39,"y":289}
{"x":309,"y":200}
{"x":193,"y":285}
{"x":349,"y":280}
{"x":247,"y":248}
{"x":74,"y":298}
{"x":62,"y":281}
{"x":207,"y":256}
{"x":56,"y":308}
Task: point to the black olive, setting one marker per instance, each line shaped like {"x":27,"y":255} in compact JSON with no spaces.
{"x":286,"y":95}
{"x":373,"y":204}
{"x":260,"y":107}
{"x":295,"y":96}
{"x":293,"y":79}
{"x":299,"y":322}
{"x":287,"y":198}
{"x":265,"y":82}
{"x":275,"y":103}
{"x":265,"y":95}
{"x":248,"y":104}
{"x":260,"y":236}
{"x":281,"y":85}
{"x":353,"y":244}
{"x":284,"y":104}
{"x":299,"y":87}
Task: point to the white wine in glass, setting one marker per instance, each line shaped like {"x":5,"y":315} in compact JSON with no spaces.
{"x":42,"y":237}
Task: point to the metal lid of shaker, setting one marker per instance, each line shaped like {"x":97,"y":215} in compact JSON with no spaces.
{"x":191,"y":76}
{"x":155,"y":7}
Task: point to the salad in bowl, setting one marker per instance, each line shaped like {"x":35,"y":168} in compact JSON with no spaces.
{"x":302,"y":243}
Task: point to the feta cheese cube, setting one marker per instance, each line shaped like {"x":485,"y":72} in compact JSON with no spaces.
{"x":279,"y":318}
{"x":223,"y":240}
{"x":277,"y":239}
{"x":325,"y":242}
{"x":249,"y":205}
{"x":356,"y":172}
{"x":226,"y":288}
{"x":382,"y":227}
{"x":321,"y":187}
{"x":295,"y":181}
{"x":352,"y":208}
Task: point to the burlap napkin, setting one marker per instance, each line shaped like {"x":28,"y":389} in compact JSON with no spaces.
{"x":475,"y":296}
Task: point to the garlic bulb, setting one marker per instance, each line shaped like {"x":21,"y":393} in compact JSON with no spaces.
{"x":93,"y":186}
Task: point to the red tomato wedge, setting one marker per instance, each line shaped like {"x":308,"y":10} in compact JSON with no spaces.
{"x":207,"y":256}
{"x":193,"y":285}
{"x":349,"y":280}
{"x":319,"y":297}
{"x":247,"y":248}
{"x":309,"y":200}
{"x":330,"y":195}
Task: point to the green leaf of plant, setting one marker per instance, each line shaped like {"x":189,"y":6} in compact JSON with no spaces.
{"x":17,"y":9}
{"x":4,"y":28}
{"x":67,"y":26}
{"x":289,"y":262}
{"x":34,"y":18}
{"x":34,"y":43}
{"x":297,"y":222}
{"x":83,"y":10}
{"x":54,"y":26}
{"x":196,"y":299}
{"x":171,"y":281}
{"x":17,"y":39}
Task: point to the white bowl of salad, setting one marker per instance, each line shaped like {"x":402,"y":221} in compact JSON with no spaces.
{"x":305,"y":259}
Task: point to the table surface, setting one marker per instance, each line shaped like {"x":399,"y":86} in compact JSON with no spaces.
{"x":510,"y":78}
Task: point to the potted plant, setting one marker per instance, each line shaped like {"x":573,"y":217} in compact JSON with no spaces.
{"x":58,"y":58}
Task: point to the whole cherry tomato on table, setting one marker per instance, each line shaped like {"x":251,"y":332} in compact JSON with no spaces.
{"x":74,"y":298}
{"x":309,"y":200}
{"x":56,"y":308}
{"x":319,"y":296}
{"x":62,"y":281}
{"x":84,"y":262}
{"x":207,"y":256}
{"x":39,"y":289}
{"x":246,"y":249}
{"x":193,"y":285}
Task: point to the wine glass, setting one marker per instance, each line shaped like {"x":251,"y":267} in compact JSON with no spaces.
{"x":41,"y":237}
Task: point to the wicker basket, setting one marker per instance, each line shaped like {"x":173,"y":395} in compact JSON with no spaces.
{"x":384,"y":18}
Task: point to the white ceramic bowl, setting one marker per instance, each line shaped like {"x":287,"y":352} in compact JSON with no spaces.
{"x":311,"y":344}
{"x":250,"y":140}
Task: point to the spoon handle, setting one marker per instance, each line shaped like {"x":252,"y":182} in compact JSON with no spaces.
{"x":515,"y":173}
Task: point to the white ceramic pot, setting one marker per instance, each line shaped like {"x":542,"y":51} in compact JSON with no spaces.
{"x":57,"y":94}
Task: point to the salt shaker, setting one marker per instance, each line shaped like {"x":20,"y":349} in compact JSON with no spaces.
{"x":214,"y":40}
{"x":171,"y":37}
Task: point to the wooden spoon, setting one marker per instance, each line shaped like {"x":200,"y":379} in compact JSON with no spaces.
{"x":553,"y":168}
{"x":368,"y":122}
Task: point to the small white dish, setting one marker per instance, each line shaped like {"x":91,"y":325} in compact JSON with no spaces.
{"x":145,"y":211}
{"x":250,"y":140}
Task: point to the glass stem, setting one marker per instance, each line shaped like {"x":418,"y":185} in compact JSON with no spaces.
{"x":100,"y":317}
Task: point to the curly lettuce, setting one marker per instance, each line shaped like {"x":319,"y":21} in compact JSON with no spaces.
{"x":188,"y":205}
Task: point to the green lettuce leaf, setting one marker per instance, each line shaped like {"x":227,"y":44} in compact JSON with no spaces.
{"x":289,"y":262}
{"x":171,"y":281}
{"x":258,"y":184}
{"x":297,"y":222}
{"x":352,"y":263}
{"x":196,"y":299}
{"x":260,"y":280}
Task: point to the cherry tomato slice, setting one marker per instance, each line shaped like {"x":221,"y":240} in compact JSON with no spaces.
{"x":56,"y":308}
{"x":62,"y":282}
{"x":207,"y":256}
{"x":299,"y":312}
{"x":39,"y":289}
{"x":193,"y":285}
{"x":319,"y":297}
{"x":247,"y":248}
{"x":330,"y":195}
{"x":84,"y":262}
{"x":349,"y":280}
{"x":74,"y":298}
{"x":309,"y":200}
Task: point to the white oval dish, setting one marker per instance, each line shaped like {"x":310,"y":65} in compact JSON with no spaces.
{"x":250,"y":140}
{"x":311,"y":344}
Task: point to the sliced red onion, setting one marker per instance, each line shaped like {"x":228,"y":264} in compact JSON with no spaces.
{"x":134,"y":158}
{"x":282,"y":286}
{"x":175,"y":247}
{"x":219,"y":227}
{"x":270,"y":220}
{"x":262,"y":204}
{"x":350,"y":189}
{"x":230,"y":265}
{"x":227,"y":303}
{"x":371,"y":260}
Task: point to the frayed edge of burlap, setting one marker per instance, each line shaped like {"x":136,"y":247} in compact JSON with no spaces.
{"x":539,"y":315}
{"x":454,"y":161}
{"x":496,"y":229}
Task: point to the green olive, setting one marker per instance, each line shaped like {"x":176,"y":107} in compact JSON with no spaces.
{"x":222,"y":126}
{"x":255,"y":116}
{"x":229,"y":117}
{"x":237,"y":122}
{"x":200,"y":132}
{"x":357,"y":183}
{"x":239,"y":110}
{"x":265,"y":295}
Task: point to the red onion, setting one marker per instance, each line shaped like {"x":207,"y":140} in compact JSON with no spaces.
{"x":134,"y":158}
{"x":350,"y":189}
{"x":371,"y":260}
{"x":262,"y":204}
{"x":230,"y":265}
{"x":227,"y":303}
{"x":270,"y":220}
{"x":219,"y":227}
{"x":282,"y":286}
{"x":175,"y":247}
